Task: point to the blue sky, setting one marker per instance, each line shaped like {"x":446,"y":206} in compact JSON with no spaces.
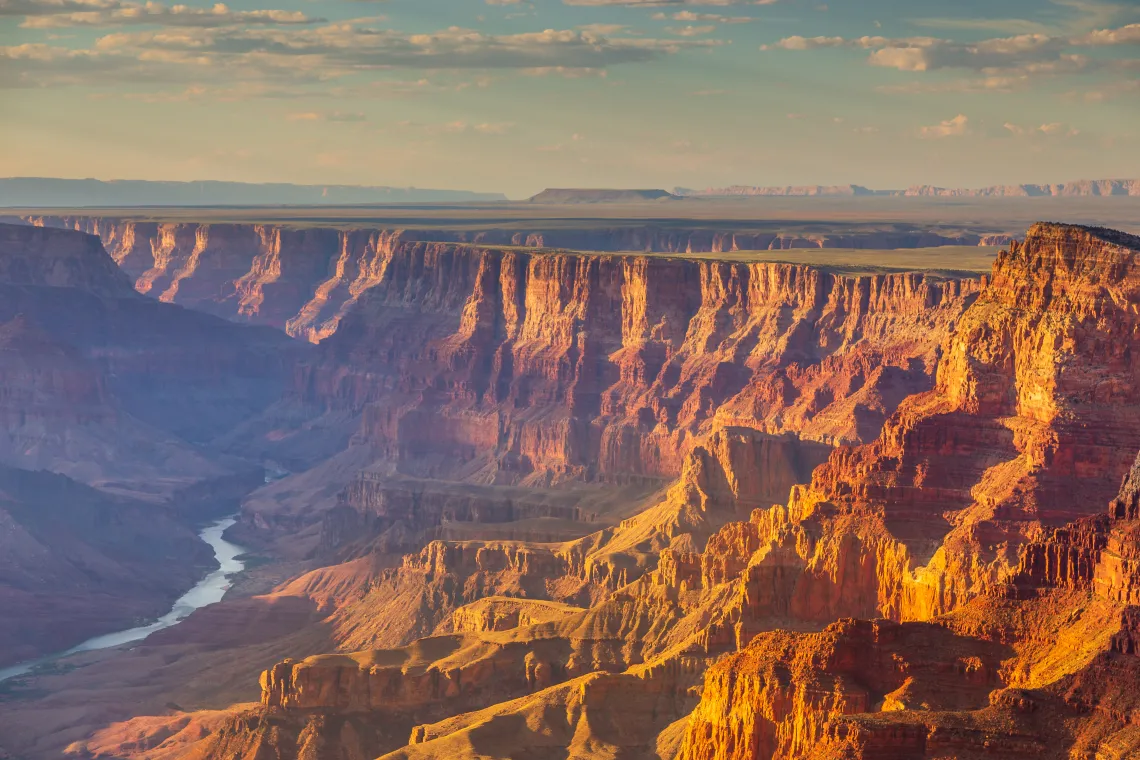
{"x":517,"y":96}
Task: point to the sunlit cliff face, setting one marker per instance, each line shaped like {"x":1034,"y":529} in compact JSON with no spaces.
{"x":627,"y":505}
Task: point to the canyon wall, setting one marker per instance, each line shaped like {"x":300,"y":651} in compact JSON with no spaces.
{"x":1031,"y":425}
{"x":500,"y":370}
{"x":512,"y":367}
{"x":107,"y":386}
{"x":998,"y":419}
{"x":117,"y":392}
{"x":1045,"y":667}
{"x":161,"y":362}
{"x":304,"y":280}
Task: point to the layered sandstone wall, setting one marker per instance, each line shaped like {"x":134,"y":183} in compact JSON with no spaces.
{"x":777,"y":698}
{"x":305,"y":279}
{"x":1032,"y":424}
{"x":1043,"y":668}
{"x":959,"y":515}
{"x":501,"y":366}
{"x":549,"y":367}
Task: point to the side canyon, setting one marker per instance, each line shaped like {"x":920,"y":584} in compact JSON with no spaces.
{"x":533,"y":502}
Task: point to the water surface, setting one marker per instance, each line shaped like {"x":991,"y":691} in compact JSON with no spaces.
{"x":209,"y":590}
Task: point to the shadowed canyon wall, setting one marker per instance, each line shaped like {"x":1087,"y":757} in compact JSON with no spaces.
{"x":120,"y":393}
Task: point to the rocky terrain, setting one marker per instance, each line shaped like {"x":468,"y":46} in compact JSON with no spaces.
{"x":305,"y":279}
{"x":78,"y":563}
{"x":119,"y":396}
{"x":545,"y":371}
{"x":555,"y":505}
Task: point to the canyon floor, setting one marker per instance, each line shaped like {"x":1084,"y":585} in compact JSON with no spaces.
{"x":679,"y":480}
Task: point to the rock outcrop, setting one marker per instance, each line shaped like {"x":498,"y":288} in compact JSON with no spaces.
{"x":1030,"y":425}
{"x":778,"y":697}
{"x":1045,"y":668}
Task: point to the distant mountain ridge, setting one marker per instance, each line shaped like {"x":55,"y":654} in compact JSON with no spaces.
{"x":46,"y":192}
{"x":598,"y":195}
{"x":1081,"y":188}
{"x":791,"y":191}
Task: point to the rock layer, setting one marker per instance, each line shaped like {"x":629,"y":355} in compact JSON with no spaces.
{"x":304,"y":280}
{"x":1002,"y":417}
{"x":542,"y":368}
{"x":1046,"y":668}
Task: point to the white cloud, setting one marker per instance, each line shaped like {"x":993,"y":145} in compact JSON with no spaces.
{"x":956,"y":127}
{"x":49,"y":14}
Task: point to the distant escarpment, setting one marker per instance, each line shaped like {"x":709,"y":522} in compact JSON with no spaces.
{"x":305,"y":280}
{"x":1078,"y":189}
{"x":587,"y":195}
{"x":51,"y":192}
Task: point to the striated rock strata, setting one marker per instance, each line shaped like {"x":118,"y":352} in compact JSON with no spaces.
{"x":948,"y":589}
{"x":511,"y":368}
{"x":1047,"y":667}
{"x":305,"y":280}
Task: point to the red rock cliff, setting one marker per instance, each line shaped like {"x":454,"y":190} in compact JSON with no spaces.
{"x":1032,"y":423}
{"x":546,"y":367}
{"x":305,"y":279}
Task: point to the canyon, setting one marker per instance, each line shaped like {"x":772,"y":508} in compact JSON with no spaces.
{"x":546,"y":503}
{"x":305,"y":279}
{"x":107,"y":402}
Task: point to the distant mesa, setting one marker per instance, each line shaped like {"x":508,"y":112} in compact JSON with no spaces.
{"x":593,"y":195}
{"x":1082,"y":188}
{"x":800,"y":191}
{"x":45,"y":192}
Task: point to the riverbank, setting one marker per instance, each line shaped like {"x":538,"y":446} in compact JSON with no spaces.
{"x":209,"y":590}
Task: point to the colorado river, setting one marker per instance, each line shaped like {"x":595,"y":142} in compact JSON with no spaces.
{"x":209,"y":590}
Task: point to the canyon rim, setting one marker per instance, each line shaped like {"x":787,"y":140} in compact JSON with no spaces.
{"x":569,"y":380}
{"x":522,"y":501}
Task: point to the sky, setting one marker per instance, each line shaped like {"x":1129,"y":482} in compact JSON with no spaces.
{"x":513,"y":96}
